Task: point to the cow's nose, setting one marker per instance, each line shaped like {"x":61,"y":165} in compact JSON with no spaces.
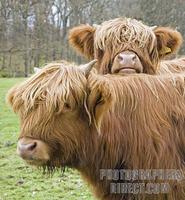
{"x":26,"y":150}
{"x":126,"y":62}
{"x":123,"y":57}
{"x":126,"y":59}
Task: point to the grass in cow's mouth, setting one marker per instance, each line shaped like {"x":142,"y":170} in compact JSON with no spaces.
{"x":20,"y":181}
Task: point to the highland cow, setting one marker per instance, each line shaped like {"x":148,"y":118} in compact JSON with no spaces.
{"x":124,"y":45}
{"x":72,"y":117}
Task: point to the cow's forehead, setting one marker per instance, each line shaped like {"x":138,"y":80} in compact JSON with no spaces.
{"x":54,"y":85}
{"x":123,"y":31}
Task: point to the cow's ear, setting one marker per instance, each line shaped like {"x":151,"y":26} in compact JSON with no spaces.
{"x":98,"y":103}
{"x":13,"y":99}
{"x":10,"y":96}
{"x":82,"y":39}
{"x":168,"y":40}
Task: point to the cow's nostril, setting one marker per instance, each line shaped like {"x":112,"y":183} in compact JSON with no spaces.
{"x":27,"y":147}
{"x":119,"y":57}
{"x":32,"y":146}
{"x":134,"y":57}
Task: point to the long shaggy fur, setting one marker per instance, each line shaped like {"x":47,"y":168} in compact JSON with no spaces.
{"x":51,"y":86}
{"x":141,"y":119}
{"x":123,"y":32}
{"x":143,"y":130}
{"x":172,"y":66}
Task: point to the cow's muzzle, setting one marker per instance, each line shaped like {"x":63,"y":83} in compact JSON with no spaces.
{"x":127,"y":62}
{"x":33,"y":151}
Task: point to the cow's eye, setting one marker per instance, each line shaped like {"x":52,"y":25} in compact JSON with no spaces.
{"x":67,"y":106}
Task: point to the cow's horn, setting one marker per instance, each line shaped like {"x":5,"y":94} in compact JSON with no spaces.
{"x":96,"y":26}
{"x":86,"y":68}
{"x":153,"y":28}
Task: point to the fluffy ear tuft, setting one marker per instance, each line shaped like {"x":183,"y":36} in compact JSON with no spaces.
{"x":99,"y":101}
{"x":168,"y":40}
{"x":15,"y":103}
{"x":82,"y":39}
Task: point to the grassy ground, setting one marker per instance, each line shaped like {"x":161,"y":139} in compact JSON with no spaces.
{"x":21,"y":182}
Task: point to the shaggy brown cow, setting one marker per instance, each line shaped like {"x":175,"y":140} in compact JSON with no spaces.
{"x":125,"y":46}
{"x":94,"y":122}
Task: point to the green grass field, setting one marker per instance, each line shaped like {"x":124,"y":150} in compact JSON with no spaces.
{"x":21,"y":182}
